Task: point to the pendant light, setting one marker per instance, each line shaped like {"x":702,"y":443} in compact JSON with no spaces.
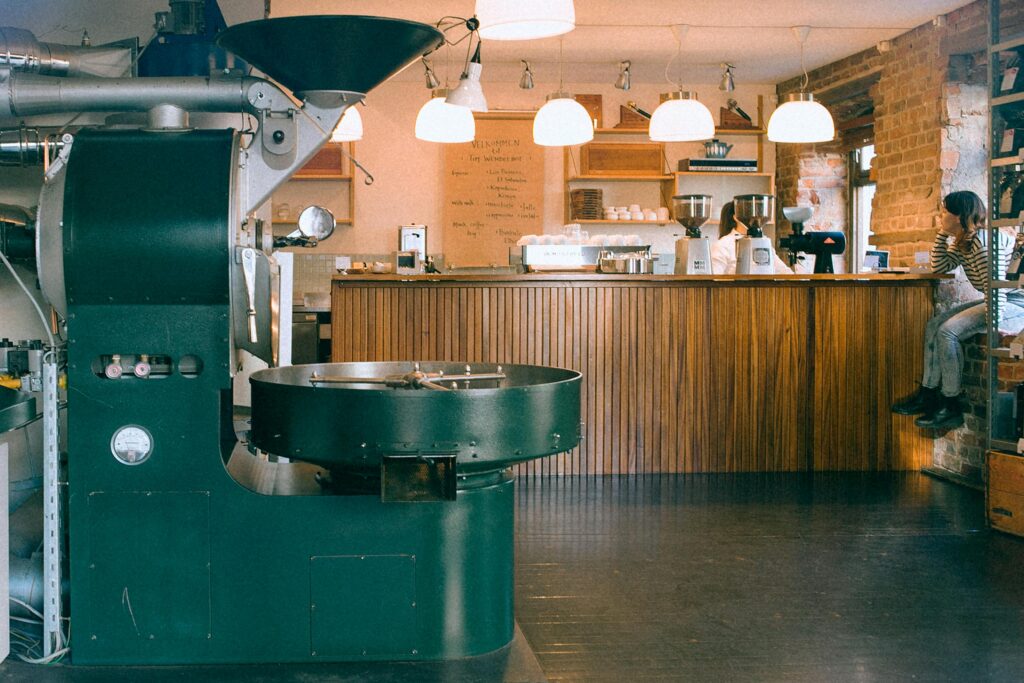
{"x":468,"y":93}
{"x":350,"y":128}
{"x":439,"y":121}
{"x":800,"y":118}
{"x":524,"y":19}
{"x":681,"y":117}
{"x":562,"y":120}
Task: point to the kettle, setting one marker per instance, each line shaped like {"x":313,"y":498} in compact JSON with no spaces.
{"x":716,"y":149}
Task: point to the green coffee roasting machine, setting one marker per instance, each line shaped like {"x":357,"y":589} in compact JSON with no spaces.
{"x":368,"y":515}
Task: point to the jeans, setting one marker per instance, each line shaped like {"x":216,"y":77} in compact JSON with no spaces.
{"x":943,"y":341}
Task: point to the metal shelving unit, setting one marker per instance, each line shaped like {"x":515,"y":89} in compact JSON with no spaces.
{"x":1006,"y":111}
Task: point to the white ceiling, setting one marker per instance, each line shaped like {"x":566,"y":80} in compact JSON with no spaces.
{"x":752,"y":34}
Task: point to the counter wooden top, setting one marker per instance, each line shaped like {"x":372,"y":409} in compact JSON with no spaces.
{"x":882,"y":279}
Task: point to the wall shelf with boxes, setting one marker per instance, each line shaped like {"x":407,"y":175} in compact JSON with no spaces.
{"x":1005,"y":481}
{"x":327,"y":180}
{"x":632,"y":171}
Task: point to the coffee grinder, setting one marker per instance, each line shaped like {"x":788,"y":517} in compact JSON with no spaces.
{"x":822,"y":245}
{"x":693,"y":251}
{"x":754,"y":253}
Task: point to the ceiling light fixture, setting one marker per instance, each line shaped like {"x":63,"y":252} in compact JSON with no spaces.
{"x":562,"y":120}
{"x":623,"y":82}
{"x":800,"y":118}
{"x":727,"y":84}
{"x":350,"y":128}
{"x":526,"y":80}
{"x":469,"y":93}
{"x":439,"y":121}
{"x":525,"y":19}
{"x":681,"y":117}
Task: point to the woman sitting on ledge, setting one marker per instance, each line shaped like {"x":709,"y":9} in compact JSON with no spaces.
{"x":961,"y":241}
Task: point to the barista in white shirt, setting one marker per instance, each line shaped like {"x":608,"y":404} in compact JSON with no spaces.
{"x":723,"y":251}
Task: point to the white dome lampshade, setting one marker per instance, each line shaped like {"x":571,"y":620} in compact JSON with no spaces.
{"x":468,"y":93}
{"x":801,"y":119}
{"x":350,"y":128}
{"x":524,"y":19}
{"x":562,"y":121}
{"x":439,"y":121}
{"x":681,"y":118}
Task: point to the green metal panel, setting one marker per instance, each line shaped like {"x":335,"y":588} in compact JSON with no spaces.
{"x":159,"y":594}
{"x":381,"y":589}
{"x":145,"y":217}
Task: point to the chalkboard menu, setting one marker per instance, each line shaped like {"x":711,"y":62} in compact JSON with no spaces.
{"x":493,"y":191}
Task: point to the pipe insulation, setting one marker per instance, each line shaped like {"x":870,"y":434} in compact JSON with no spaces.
{"x":30,"y":94}
{"x":21,"y":50}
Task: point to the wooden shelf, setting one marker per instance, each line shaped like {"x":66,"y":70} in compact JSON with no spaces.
{"x":617,"y":178}
{"x":1007,"y":222}
{"x":596,"y":221}
{"x":1006,"y":284}
{"x":1008,"y":161}
{"x":1009,"y":44}
{"x":1008,"y":99}
{"x":1003,"y":445}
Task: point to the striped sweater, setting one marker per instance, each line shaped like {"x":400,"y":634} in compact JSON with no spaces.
{"x":946,"y":258}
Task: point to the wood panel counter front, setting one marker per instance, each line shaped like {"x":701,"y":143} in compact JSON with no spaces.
{"x":681,"y":373}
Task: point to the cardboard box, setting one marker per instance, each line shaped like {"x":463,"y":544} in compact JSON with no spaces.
{"x":1004,"y":495}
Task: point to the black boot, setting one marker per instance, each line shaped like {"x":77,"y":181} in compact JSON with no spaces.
{"x":924,"y":400}
{"x":949,"y":415}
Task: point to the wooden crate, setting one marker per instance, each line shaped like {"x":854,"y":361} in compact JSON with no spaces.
{"x":622,"y":158}
{"x":1005,"y":492}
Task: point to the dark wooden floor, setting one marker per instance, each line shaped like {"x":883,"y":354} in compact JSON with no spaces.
{"x":768,"y":578}
{"x":735,"y":578}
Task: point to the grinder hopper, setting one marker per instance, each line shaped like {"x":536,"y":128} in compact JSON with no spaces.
{"x":692,"y":211}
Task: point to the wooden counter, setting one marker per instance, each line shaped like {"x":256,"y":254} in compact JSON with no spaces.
{"x":681,"y":373}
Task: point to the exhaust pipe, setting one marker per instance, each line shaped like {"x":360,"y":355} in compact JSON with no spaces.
{"x":20,"y":50}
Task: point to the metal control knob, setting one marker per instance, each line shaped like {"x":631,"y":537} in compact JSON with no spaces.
{"x":113,"y":371}
{"x":141,"y":369}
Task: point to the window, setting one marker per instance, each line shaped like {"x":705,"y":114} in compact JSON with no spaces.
{"x":862,"y":193}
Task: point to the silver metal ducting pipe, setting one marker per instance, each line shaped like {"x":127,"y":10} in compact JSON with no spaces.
{"x":26,"y":527}
{"x":21,"y":147}
{"x":31,"y":94}
{"x":26,"y":583}
{"x":21,"y":50}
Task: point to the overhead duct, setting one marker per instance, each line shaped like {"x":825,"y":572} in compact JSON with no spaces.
{"x":20,"y":50}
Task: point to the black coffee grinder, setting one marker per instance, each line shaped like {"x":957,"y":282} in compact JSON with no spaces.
{"x":823,"y":245}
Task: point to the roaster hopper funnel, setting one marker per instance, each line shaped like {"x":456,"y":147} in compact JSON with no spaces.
{"x":346,"y":53}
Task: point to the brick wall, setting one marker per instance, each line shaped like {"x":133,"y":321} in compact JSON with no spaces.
{"x":930,"y":134}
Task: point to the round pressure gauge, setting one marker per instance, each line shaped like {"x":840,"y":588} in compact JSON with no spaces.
{"x":131,"y":445}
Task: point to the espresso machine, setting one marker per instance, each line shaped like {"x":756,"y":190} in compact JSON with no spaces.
{"x":822,"y":245}
{"x":754,"y":253}
{"x":693,"y":250}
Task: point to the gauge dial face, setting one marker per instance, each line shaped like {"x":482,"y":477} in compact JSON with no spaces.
{"x":131,"y":445}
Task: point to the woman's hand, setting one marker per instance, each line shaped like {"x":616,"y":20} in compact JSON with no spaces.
{"x":949,"y":225}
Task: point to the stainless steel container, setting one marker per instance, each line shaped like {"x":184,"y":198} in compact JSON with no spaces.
{"x":631,"y":263}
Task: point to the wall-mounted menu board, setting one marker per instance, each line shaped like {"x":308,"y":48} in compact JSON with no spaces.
{"x":493,"y":190}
